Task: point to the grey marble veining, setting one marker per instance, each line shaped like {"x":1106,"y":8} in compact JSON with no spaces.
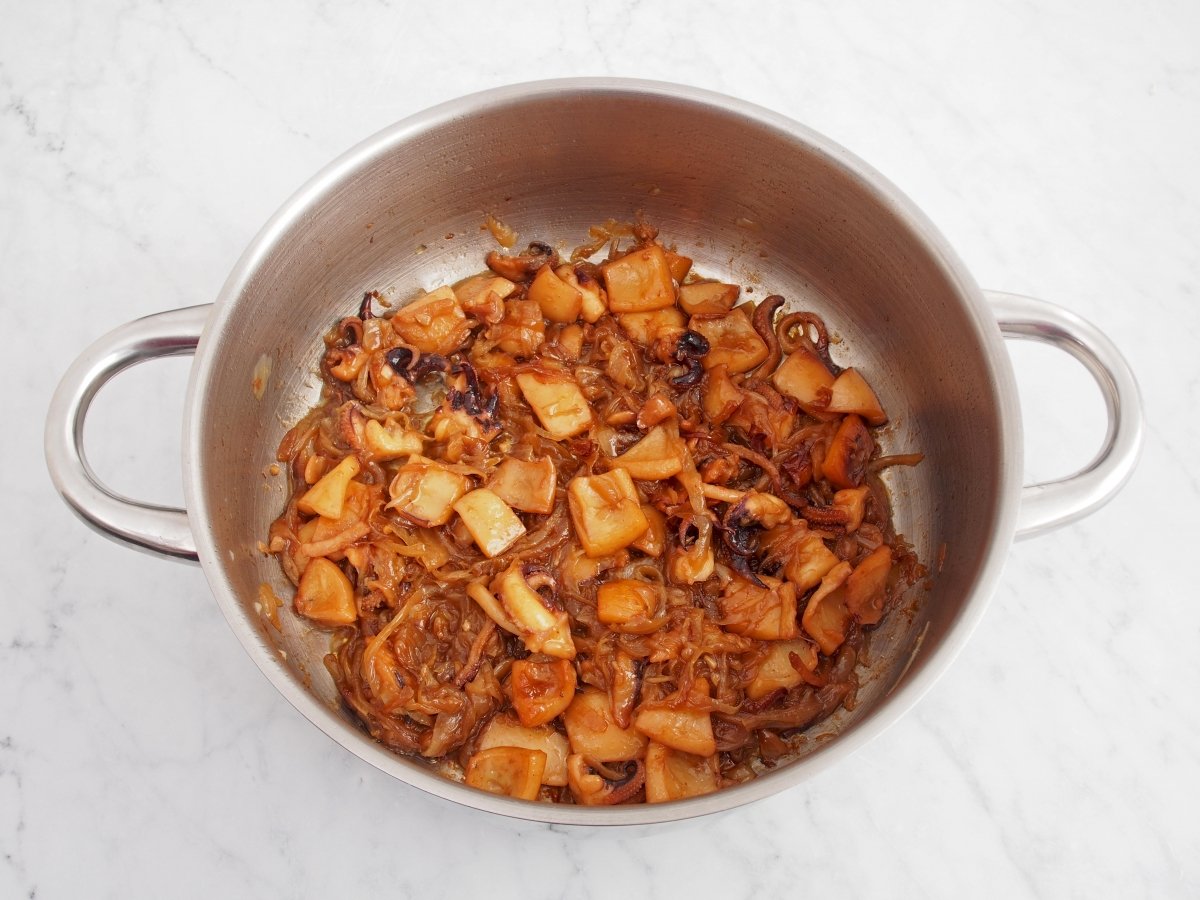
{"x":142,"y":144}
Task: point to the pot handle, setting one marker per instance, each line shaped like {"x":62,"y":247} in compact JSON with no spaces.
{"x":1049,"y":504}
{"x":159,"y":529}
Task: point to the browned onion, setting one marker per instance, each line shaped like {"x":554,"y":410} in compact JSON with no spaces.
{"x":426,"y":669}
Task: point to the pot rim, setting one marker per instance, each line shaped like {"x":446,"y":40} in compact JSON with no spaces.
{"x":417,"y":775}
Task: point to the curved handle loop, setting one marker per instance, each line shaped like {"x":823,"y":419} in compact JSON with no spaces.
{"x":159,"y":529}
{"x":1049,"y":504}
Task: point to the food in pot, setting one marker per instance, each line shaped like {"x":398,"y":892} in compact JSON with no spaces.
{"x":590,"y":530}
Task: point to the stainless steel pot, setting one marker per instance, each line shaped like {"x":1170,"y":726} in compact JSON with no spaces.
{"x":757,"y":199}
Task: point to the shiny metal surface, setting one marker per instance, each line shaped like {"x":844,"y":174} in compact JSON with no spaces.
{"x":158,"y":529}
{"x":754,"y":198}
{"x":1051,"y":504}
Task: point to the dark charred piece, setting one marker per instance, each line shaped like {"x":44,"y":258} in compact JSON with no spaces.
{"x":743,"y":565}
{"x":400,"y":359}
{"x":691,"y":376}
{"x":741,"y":541}
{"x":525,"y":265}
{"x":470,"y":398}
{"x":688,"y":533}
{"x":692,"y":345}
{"x":690,"y":349}
{"x":603,"y":784}
{"x":350,"y":331}
{"x":428,"y":364}
{"x":739,"y":530}
{"x":364,"y":310}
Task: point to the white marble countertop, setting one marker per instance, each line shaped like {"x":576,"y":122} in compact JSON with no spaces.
{"x":142,"y":144}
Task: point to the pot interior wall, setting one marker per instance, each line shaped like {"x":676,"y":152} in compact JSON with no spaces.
{"x":740,"y":195}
